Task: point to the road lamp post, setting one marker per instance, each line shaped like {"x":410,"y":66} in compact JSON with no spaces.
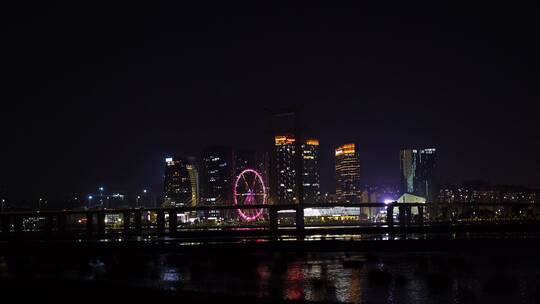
{"x":102,"y":198}
{"x":145,"y":195}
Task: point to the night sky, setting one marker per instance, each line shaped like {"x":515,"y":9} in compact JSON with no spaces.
{"x":99,"y":95}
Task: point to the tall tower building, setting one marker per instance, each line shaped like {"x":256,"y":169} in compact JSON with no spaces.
{"x":245,"y":159}
{"x":193,"y":172}
{"x":348,"y":173}
{"x":218,"y":175}
{"x":285,"y":172}
{"x":285,"y":169}
{"x":250,"y":159}
{"x":180,"y":182}
{"x":418,"y":172}
{"x":310,"y":159}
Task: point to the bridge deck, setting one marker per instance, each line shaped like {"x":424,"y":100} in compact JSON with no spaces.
{"x":428,"y":219}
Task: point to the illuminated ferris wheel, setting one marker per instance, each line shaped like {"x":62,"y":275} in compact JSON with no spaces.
{"x":249,"y":189}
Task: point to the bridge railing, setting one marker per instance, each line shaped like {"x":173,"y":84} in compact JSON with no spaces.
{"x":161,"y":221}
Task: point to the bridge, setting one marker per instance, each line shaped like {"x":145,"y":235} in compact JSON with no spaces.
{"x":279,"y":221}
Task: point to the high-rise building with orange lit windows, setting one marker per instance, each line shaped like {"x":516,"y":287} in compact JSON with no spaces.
{"x":310,"y":162}
{"x":348,"y":173}
{"x":285,"y":170}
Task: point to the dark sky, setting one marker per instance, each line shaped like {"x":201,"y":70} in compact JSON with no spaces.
{"x":99,"y":95}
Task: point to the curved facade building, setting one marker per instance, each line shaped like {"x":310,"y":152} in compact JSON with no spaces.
{"x":418,"y":172}
{"x":181,"y":186}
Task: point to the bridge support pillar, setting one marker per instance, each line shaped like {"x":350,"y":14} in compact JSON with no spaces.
{"x":390,"y":215}
{"x":126,"y":217}
{"x":173,"y":222}
{"x":89,"y":223}
{"x":408,"y":215}
{"x":445,"y":214}
{"x":101,"y":223}
{"x":61,"y":221}
{"x":273,"y":217}
{"x":454,"y":211}
{"x":160,"y":222}
{"x":138,"y":221}
{"x":300,"y":218}
{"x":48,"y":224}
{"x":4,"y":222}
{"x":402,"y":215}
{"x":18,"y":224}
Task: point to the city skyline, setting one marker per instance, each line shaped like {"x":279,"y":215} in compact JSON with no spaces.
{"x":197,"y":163}
{"x":69,"y":125}
{"x":296,"y":152}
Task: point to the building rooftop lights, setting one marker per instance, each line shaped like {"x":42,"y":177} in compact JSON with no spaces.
{"x":312,"y":142}
{"x":346,"y":149}
{"x":282,"y":140}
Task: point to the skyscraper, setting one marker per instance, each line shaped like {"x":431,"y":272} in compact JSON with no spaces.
{"x":250,"y":159}
{"x":418,"y":172}
{"x":180,"y":182}
{"x":285,"y":170}
{"x":218,"y":176}
{"x":245,"y":159}
{"x":310,"y":158}
{"x":348,"y":173}
{"x":193,"y":172}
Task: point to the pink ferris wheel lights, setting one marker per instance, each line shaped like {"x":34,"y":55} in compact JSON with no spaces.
{"x":249,"y":189}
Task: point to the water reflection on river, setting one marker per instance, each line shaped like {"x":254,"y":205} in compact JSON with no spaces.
{"x":330,"y":277}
